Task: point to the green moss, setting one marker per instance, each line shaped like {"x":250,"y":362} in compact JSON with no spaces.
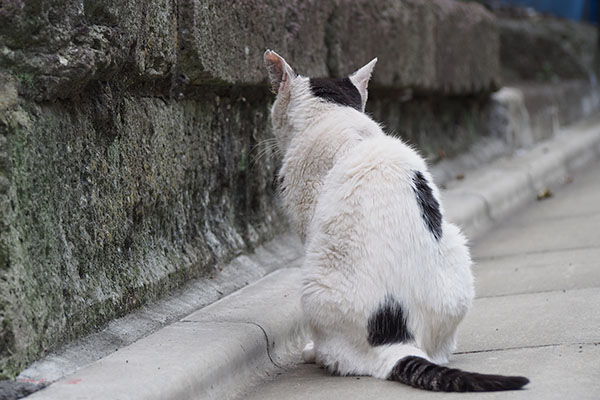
{"x":8,"y":369}
{"x":26,"y":78}
{"x":3,"y":253}
{"x":243,"y":163}
{"x":11,"y":370}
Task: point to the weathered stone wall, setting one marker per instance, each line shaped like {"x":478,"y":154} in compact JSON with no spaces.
{"x":439,"y":126}
{"x":127,"y":132}
{"x":56,"y":48}
{"x":112,"y":199}
{"x":554,"y":62}
{"x":546,"y":49}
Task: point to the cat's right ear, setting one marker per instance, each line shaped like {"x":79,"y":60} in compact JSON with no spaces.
{"x":361,"y":78}
{"x":280,"y":73}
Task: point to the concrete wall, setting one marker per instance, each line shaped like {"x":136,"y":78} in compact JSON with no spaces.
{"x":127,"y":129}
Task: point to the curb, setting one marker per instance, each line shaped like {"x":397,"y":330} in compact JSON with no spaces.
{"x":493,"y":192}
{"x":254,"y":333}
{"x":202,"y":294}
{"x":212,"y":353}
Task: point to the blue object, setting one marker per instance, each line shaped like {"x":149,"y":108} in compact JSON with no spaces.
{"x":578,"y":10}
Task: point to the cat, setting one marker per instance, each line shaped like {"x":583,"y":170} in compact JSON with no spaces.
{"x":387,"y":278}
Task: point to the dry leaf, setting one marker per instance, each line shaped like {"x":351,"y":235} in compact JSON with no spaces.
{"x":544,"y":194}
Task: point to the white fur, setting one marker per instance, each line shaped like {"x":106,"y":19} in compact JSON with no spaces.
{"x":348,"y":188}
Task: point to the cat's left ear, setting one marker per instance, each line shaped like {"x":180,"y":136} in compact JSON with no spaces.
{"x":361,"y":78}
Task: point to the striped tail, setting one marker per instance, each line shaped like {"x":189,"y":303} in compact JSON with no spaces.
{"x":422,"y":374}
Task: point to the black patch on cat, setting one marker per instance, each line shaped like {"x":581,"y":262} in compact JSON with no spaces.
{"x":340,"y":91}
{"x":430,"y":208}
{"x":388,"y":324}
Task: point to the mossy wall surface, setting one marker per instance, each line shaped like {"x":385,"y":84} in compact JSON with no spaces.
{"x":114,"y":199}
{"x":127,"y":132}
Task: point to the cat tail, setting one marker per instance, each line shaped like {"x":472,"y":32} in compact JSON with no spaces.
{"x":422,"y":374}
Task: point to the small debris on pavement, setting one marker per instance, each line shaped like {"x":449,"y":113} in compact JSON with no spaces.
{"x":544,"y":194}
{"x":460,"y":177}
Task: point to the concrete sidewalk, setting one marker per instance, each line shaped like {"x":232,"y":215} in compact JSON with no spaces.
{"x":537,"y":311}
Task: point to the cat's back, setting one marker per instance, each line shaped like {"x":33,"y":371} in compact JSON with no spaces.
{"x":359,"y":144}
{"x":372,"y":191}
{"x":384,"y":152}
{"x":375,"y":161}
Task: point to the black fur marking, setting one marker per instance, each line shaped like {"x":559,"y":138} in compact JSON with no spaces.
{"x":430,"y":208}
{"x":388,"y":324}
{"x":340,"y":91}
{"x":422,"y":374}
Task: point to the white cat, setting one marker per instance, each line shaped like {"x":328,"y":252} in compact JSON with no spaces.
{"x":387,"y":279}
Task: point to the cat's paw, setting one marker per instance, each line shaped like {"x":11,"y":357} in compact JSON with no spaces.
{"x":309,"y":354}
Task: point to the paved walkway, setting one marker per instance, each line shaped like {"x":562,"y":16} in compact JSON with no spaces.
{"x":537,"y":311}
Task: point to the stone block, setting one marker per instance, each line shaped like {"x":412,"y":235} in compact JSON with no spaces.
{"x":438,"y":45}
{"x":546,"y":49}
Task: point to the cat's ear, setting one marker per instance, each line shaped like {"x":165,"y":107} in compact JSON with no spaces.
{"x":280,"y":73}
{"x":361,"y":78}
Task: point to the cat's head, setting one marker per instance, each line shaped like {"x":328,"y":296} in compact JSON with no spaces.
{"x":300,"y":98}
